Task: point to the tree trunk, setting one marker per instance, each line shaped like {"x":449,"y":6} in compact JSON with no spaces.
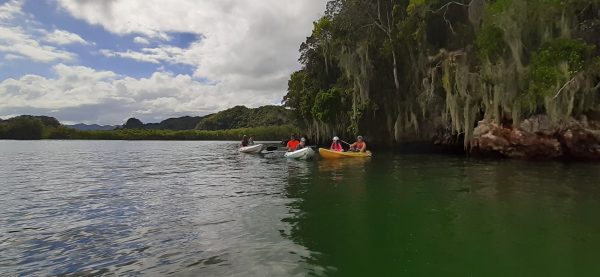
{"x":325,"y":60}
{"x":396,"y":81}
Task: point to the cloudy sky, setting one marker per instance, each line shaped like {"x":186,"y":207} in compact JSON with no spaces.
{"x":103,"y":61}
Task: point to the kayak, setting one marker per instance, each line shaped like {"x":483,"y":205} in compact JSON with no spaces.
{"x":252,"y":149}
{"x":302,"y":154}
{"x":330,"y":155}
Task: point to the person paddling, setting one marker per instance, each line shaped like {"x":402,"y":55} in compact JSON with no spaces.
{"x":292,"y":143}
{"x":359,"y":146}
{"x":251,"y":140}
{"x":245,"y":141}
{"x":336,"y":145}
{"x":302,"y":144}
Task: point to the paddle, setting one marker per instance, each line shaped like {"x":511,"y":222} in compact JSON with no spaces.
{"x":346,"y":143}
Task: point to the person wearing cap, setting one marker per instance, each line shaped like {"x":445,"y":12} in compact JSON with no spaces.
{"x":336,"y":145}
{"x":302,"y":144}
{"x":359,"y":146}
{"x":292,"y":143}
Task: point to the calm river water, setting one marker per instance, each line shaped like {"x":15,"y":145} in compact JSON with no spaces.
{"x":203,"y":209}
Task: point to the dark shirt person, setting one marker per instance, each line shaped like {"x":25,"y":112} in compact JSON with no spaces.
{"x":245,"y":141}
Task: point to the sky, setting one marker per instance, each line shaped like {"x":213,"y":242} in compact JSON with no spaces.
{"x":103,"y":61}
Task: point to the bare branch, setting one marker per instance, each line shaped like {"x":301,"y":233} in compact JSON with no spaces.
{"x":446,"y":6}
{"x":450,"y":3}
{"x":564,"y":86}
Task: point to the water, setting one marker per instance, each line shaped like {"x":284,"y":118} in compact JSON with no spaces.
{"x":202,"y":209}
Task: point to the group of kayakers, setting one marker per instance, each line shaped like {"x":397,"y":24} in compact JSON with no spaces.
{"x":358,"y":146}
{"x":294,"y":144}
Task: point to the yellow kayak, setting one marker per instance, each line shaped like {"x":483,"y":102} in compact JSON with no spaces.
{"x":328,"y":154}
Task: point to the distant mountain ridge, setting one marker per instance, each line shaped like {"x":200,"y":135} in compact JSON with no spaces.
{"x":233,"y":118}
{"x":274,"y":121}
{"x":92,"y":127}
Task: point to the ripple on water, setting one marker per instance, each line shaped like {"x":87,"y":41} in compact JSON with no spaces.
{"x":95,"y":207}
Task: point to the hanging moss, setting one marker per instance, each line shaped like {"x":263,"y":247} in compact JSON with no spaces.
{"x":498,"y":60}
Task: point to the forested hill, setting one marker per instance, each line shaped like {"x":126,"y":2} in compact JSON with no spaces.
{"x":242,"y":117}
{"x":265,"y":123}
{"x":401,"y":70}
{"x":233,"y":118}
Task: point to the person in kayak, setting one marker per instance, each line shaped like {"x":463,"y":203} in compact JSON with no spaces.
{"x":302,"y":144}
{"x":359,"y":146}
{"x":336,"y":145}
{"x":245,"y":141}
{"x":251,"y":140}
{"x":292,"y":143}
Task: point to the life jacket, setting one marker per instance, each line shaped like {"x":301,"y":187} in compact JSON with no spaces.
{"x":360,"y":145}
{"x":292,"y":144}
{"x":336,"y":146}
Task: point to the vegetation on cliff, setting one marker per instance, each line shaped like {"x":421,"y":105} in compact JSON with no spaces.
{"x":399,"y":70}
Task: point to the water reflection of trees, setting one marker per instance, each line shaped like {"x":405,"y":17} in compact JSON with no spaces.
{"x":438,"y":215}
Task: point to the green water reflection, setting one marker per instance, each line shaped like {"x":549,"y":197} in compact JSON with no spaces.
{"x":440,"y":216}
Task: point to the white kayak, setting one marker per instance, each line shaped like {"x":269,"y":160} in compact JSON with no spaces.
{"x":302,"y":154}
{"x":252,"y":149}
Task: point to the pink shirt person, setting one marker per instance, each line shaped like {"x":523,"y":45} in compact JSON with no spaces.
{"x":336,"y":145}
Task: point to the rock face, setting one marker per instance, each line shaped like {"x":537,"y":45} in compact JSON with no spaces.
{"x":539,"y":138}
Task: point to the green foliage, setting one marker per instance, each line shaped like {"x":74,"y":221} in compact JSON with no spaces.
{"x":328,"y":104}
{"x":23,"y":127}
{"x":414,"y":5}
{"x":499,"y":6}
{"x":554,"y":64}
{"x":490,"y":43}
{"x":260,"y":133}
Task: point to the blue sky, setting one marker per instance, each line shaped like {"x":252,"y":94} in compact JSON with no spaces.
{"x":104,"y":61}
{"x":49,"y":15}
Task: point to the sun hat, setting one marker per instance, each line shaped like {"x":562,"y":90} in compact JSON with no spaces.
{"x":336,"y":138}
{"x":359,"y":137}
{"x":303,"y":139}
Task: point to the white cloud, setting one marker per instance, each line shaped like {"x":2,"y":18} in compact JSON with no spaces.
{"x":13,"y":57}
{"x":246,"y":51}
{"x":16,"y":40}
{"x":141,"y":40}
{"x":62,"y":37}
{"x":244,"y":45}
{"x":169,"y":54}
{"x":82,"y":94}
{"x":10,"y":9}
